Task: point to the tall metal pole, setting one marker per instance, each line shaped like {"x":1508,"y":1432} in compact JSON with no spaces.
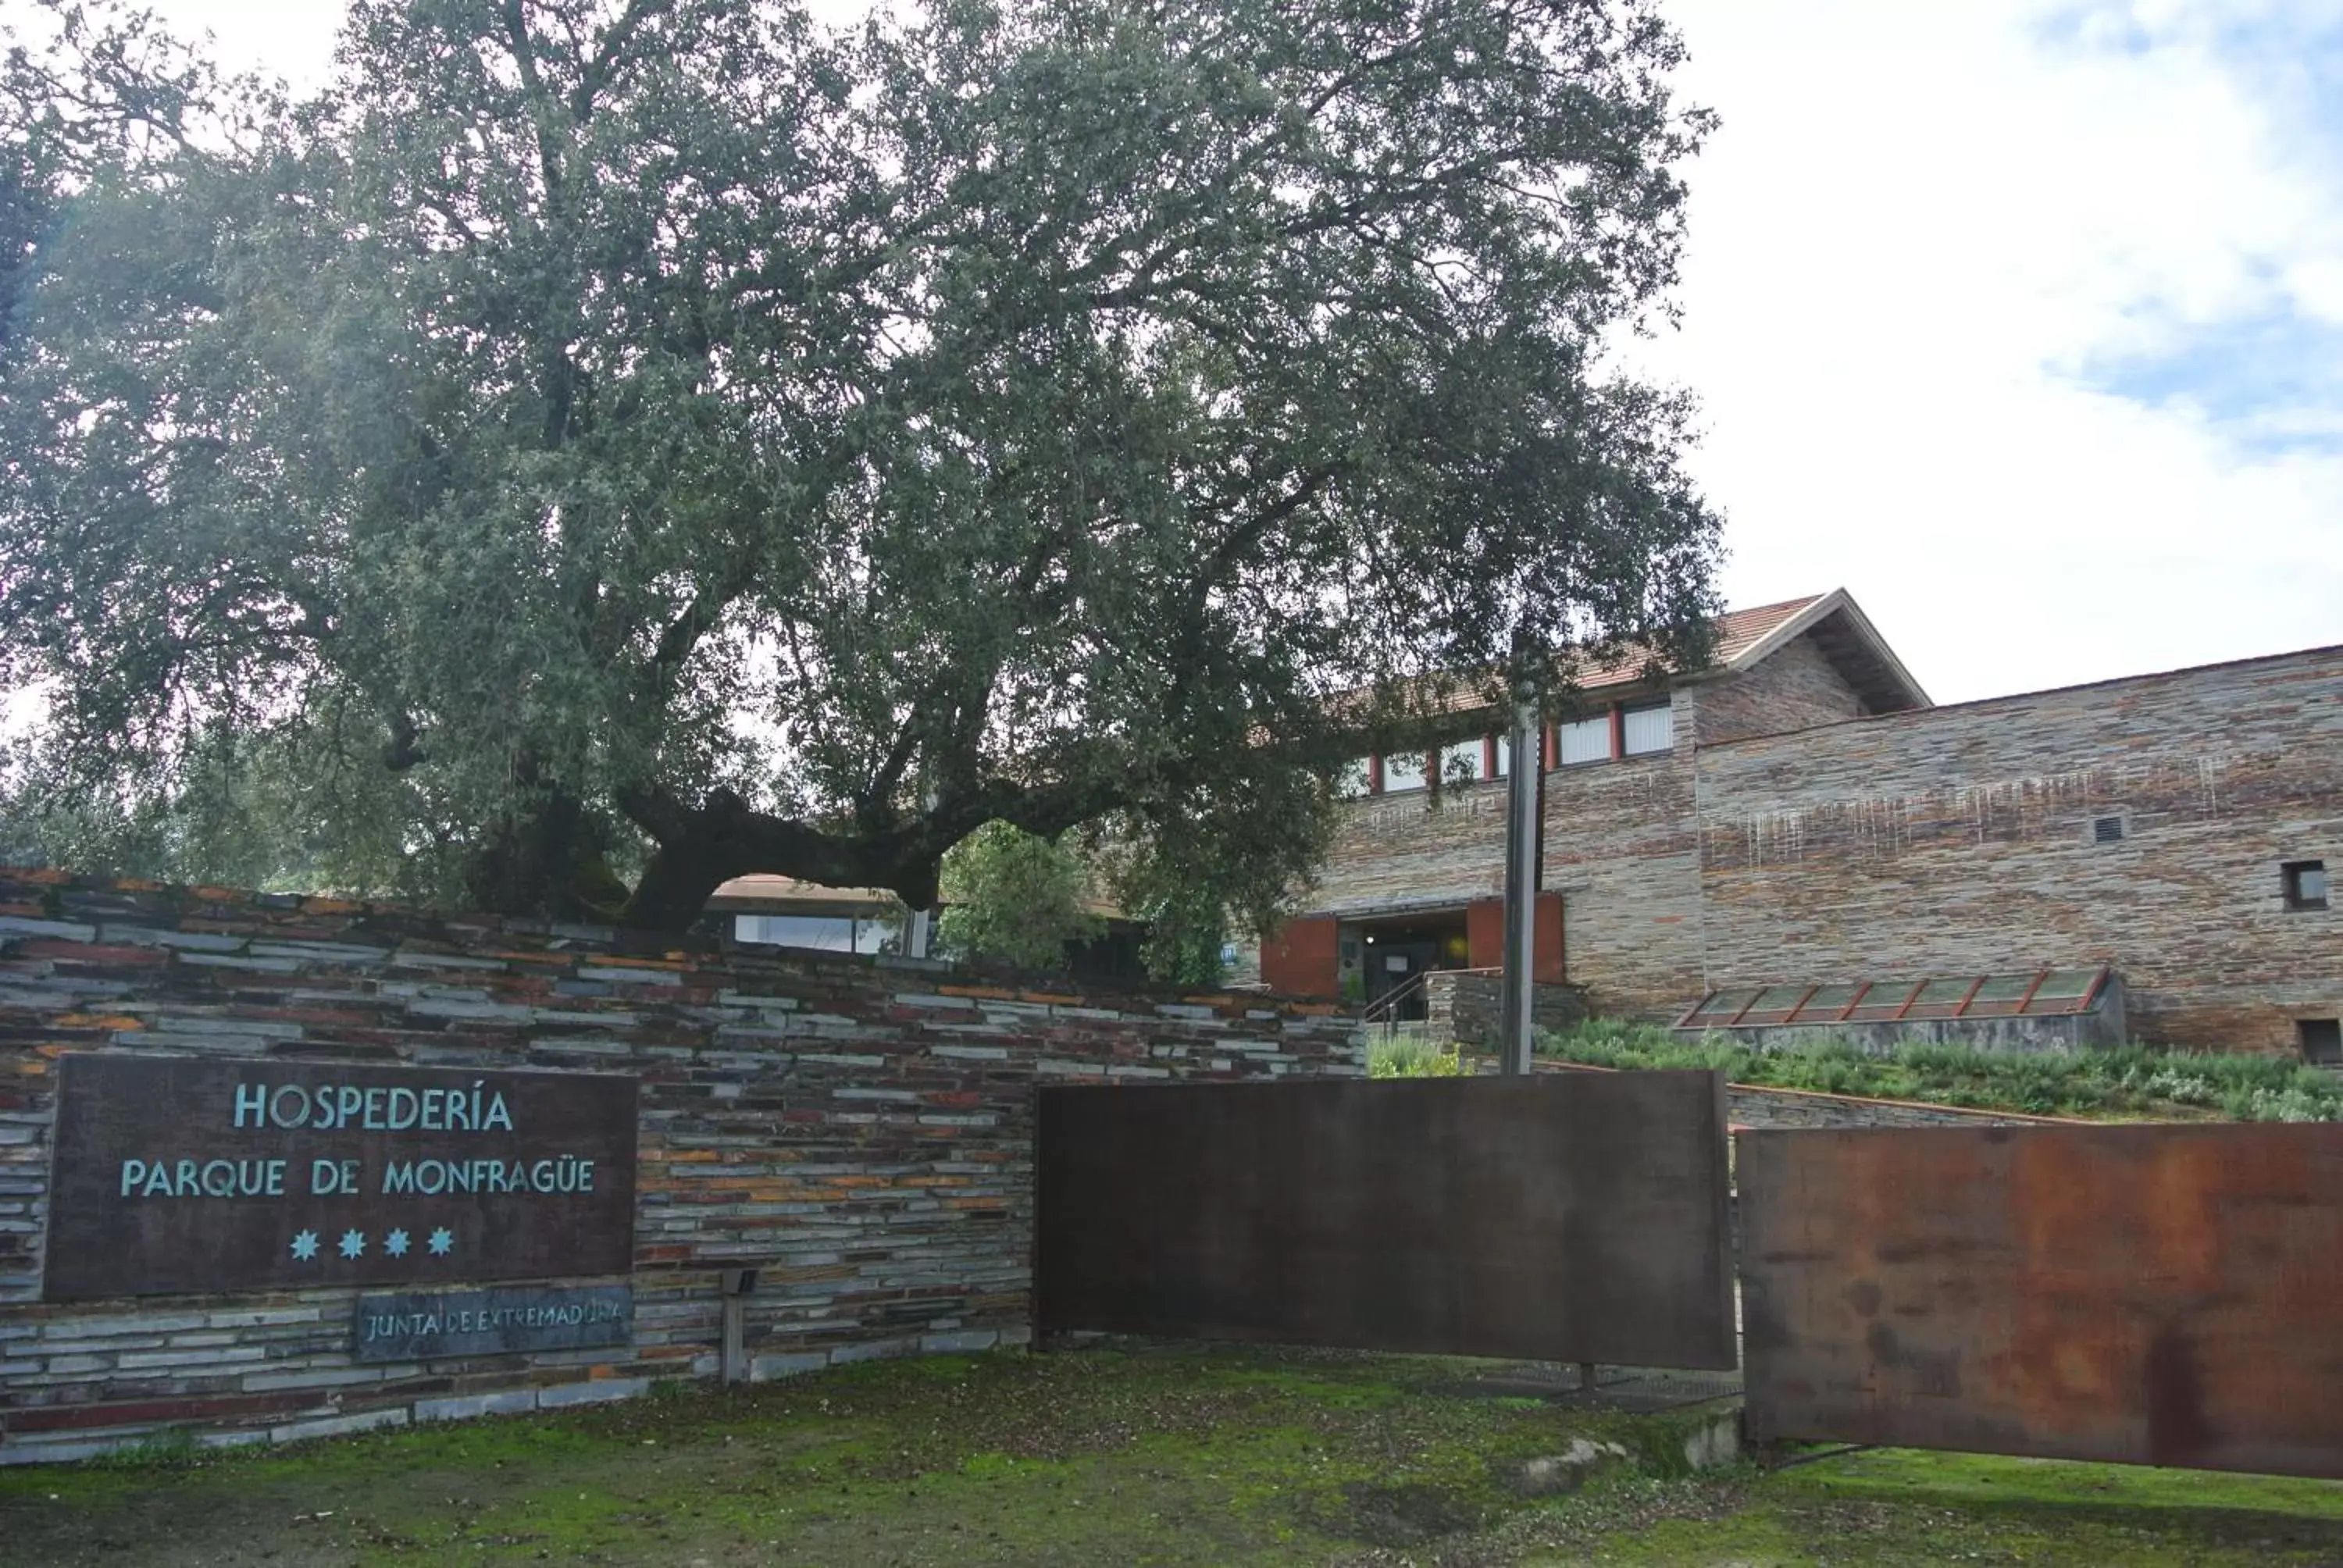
{"x":1525,"y":773}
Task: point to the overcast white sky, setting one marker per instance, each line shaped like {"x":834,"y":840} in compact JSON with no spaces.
{"x":2020,"y":319}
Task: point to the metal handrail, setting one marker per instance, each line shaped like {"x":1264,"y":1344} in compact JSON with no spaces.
{"x":1384,"y":1008}
{"x":1386,"y":1005}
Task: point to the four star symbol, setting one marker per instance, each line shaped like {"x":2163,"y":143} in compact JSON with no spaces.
{"x":395,"y":1244}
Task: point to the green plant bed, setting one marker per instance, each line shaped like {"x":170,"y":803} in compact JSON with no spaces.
{"x":2137,"y":1081}
{"x":1407,"y":1056}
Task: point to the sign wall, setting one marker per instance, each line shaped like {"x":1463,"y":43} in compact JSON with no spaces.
{"x":181,"y":1174}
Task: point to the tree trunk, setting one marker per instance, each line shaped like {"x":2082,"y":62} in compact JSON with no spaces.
{"x":700,"y":849}
{"x":544,"y":859}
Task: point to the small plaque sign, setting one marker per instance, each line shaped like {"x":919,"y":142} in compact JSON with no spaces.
{"x":408,"y":1328}
{"x":177,"y":1174}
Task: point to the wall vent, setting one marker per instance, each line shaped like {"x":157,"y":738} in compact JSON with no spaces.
{"x":2107,"y":829}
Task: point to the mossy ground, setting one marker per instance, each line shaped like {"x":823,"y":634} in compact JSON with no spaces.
{"x":1184,"y":1455}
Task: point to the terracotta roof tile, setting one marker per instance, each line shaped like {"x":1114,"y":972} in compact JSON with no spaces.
{"x":764,"y":887}
{"x":1737,"y":631}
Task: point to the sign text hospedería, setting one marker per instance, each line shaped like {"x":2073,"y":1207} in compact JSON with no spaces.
{"x":184,"y":1175}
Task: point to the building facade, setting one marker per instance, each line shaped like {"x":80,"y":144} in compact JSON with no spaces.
{"x":1803,"y":815}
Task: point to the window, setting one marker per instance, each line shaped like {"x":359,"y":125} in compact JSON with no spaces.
{"x":1403,"y":770}
{"x":1585,"y":741}
{"x":1460,"y":763}
{"x":820,"y":934}
{"x":1351,"y":782}
{"x":1650,"y":729}
{"x":2305,"y":884}
{"x":1504,"y":744}
{"x":2322,"y":1039}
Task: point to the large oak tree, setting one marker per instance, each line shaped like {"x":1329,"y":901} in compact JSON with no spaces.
{"x":661,"y":434}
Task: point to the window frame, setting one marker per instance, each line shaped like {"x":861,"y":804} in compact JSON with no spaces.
{"x":1627,"y":710}
{"x":1608,"y":754}
{"x":1424,"y":763}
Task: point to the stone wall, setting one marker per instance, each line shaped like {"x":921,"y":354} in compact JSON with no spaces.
{"x":1795,"y":688}
{"x":1467,"y":1007}
{"x":1960,"y":840}
{"x":1620,"y":850}
{"x":1949,"y":840}
{"x":1622,"y":841}
{"x":860,"y":1132}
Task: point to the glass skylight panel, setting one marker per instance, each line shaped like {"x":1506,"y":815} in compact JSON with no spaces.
{"x":1720,"y":1007}
{"x":2000,"y":996}
{"x":1776,"y":1003}
{"x":1826,"y":1004}
{"x":2032,"y":992}
{"x":1942,"y":998}
{"x":1884,"y":1001}
{"x":2064,"y":990}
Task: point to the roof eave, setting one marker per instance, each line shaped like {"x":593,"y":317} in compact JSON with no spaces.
{"x":1837,"y":602}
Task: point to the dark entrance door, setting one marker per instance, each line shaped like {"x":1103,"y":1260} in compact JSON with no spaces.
{"x":1398,"y":952}
{"x":1391,"y":965}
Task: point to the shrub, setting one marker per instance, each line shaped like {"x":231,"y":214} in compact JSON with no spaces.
{"x":2129,"y":1081}
{"x":1404,"y":1056}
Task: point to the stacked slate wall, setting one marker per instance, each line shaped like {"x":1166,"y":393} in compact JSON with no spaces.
{"x":1961,"y":840}
{"x":1467,"y":1007}
{"x":858,"y":1130}
{"x":1786,"y":841}
{"x":1623,"y":840}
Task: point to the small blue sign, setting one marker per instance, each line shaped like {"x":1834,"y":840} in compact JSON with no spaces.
{"x":505,"y":1322}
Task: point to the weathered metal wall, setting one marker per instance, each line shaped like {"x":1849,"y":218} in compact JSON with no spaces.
{"x":2163,"y":1295}
{"x":1573,"y":1217}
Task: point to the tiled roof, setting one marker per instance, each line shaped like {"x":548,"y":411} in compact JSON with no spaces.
{"x":775,"y":894}
{"x":765,"y":889}
{"x":1737,"y":631}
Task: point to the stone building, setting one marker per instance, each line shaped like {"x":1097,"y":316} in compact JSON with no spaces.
{"x":1803,"y":815}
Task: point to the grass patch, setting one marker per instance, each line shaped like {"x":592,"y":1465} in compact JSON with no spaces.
{"x":1906,"y":1508}
{"x":1141,"y":1454}
{"x":2135,"y":1081}
{"x":1182,"y":1455}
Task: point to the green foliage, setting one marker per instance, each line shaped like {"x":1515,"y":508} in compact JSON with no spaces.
{"x":597,"y":435}
{"x":173,"y":1448}
{"x":1408,"y":1055}
{"x":2135,"y":1081}
{"x":1016,"y":898}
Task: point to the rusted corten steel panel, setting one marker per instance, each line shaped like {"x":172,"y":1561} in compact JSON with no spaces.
{"x":1577,"y":1217}
{"x":2157,"y":1295}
